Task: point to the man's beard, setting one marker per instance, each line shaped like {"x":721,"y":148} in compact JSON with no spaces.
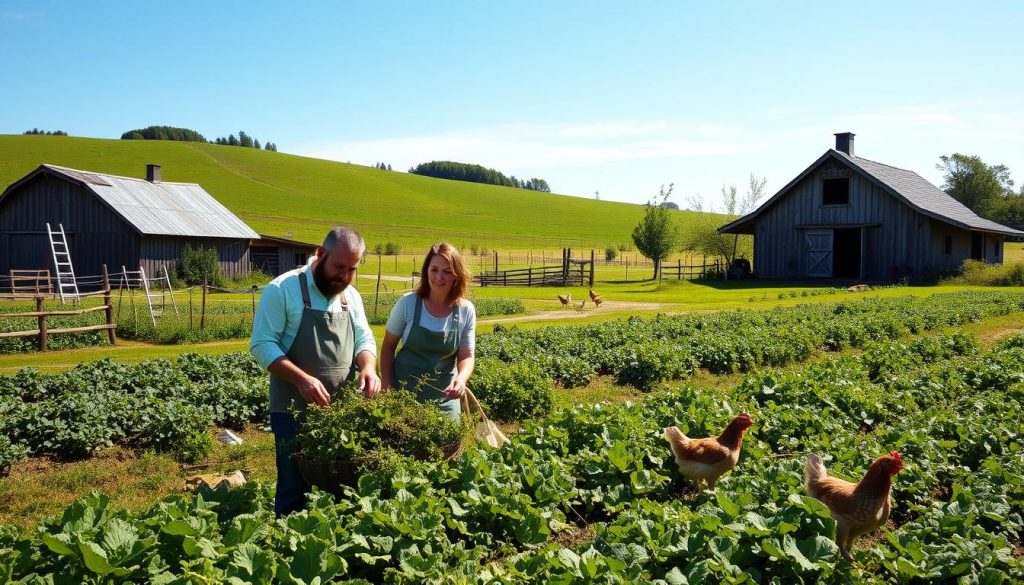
{"x":329,"y":288}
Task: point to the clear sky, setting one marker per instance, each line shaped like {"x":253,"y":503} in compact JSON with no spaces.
{"x":616,"y":97}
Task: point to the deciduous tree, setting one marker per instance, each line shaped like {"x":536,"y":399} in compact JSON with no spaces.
{"x":656,"y":234}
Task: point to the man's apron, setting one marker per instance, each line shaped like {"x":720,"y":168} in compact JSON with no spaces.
{"x":426,"y":362}
{"x":322,"y":348}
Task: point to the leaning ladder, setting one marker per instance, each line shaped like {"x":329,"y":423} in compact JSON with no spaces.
{"x":143,"y":285}
{"x":67,"y":286}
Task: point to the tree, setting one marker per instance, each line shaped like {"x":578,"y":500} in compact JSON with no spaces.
{"x":656,"y":234}
{"x":972,"y":182}
{"x":704,"y":236}
{"x":985,"y":189}
{"x":256,"y":144}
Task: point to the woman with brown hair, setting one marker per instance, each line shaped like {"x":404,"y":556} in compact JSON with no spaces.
{"x":436,"y":326}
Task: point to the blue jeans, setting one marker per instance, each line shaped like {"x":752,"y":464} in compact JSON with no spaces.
{"x":291,"y":488}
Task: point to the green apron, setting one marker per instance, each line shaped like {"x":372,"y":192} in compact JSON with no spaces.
{"x":426,"y":363}
{"x":322,"y":348}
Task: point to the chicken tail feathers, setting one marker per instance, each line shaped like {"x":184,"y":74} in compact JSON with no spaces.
{"x":814,"y":472}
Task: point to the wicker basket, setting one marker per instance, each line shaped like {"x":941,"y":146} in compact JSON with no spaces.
{"x":332,"y":476}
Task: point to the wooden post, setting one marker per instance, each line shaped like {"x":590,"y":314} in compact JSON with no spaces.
{"x":254,"y":302}
{"x":679,"y":265}
{"x":376,"y":295}
{"x":108,"y":300}
{"x":591,"y":268}
{"x":495,"y":261}
{"x":42,"y":323}
{"x":529,"y":276}
{"x":202,"y":314}
{"x":191,"y":324}
{"x":627,"y":271}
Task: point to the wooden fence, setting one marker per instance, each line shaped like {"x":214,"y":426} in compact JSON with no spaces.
{"x":680,"y":271}
{"x":42,"y":331}
{"x":572,"y":272}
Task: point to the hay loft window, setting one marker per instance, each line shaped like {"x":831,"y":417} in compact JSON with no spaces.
{"x":300,"y":259}
{"x":836,"y":191}
{"x":948,"y":246}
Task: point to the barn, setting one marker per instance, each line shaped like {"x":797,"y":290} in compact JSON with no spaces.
{"x":848,"y":217}
{"x":117,"y":221}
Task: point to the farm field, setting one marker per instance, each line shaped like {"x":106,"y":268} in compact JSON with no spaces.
{"x":590,"y":493}
{"x":279,"y":194}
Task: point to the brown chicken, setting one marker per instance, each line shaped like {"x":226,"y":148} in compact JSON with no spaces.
{"x":708,"y":459}
{"x":565,"y":299}
{"x":598,"y":299}
{"x":858,"y":508}
{"x":593,"y":295}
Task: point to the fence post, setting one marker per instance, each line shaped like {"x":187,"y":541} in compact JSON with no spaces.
{"x":254,"y":303}
{"x":679,"y":267}
{"x":191,"y":324}
{"x":108,"y":300}
{"x":42,"y":323}
{"x":529,"y":277}
{"x":627,"y":271}
{"x":591,"y":268}
{"x":495,"y":261}
{"x":202,"y":314}
{"x":376,"y":295}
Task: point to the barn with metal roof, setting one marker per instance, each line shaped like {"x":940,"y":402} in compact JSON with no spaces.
{"x":852,"y":218}
{"x":116,"y":221}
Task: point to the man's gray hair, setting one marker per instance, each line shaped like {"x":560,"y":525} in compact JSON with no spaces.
{"x":347,"y":237}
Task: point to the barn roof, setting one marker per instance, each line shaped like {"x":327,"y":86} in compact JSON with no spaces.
{"x":908,"y":186}
{"x":156,"y":208}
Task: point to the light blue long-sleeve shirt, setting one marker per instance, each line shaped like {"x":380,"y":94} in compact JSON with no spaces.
{"x":280,"y":311}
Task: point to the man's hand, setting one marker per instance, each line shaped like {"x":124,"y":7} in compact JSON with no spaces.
{"x":312,"y":390}
{"x":369,"y":383}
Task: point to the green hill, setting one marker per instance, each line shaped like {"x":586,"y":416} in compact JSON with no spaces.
{"x":276,"y":193}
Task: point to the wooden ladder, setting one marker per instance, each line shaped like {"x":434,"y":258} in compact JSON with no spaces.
{"x":67,"y":286}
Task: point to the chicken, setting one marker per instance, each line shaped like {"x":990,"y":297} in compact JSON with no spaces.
{"x":565,"y":299}
{"x":858,"y":508}
{"x":593,"y":295}
{"x":708,"y":459}
{"x":598,"y":299}
{"x":580,"y":305}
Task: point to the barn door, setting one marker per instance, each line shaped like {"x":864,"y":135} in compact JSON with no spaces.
{"x":819,"y":253}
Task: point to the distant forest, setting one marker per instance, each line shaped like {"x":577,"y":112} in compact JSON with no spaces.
{"x":456,"y":171}
{"x":186,"y":135}
{"x":38,"y":132}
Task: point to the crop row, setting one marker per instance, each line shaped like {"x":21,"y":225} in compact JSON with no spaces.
{"x":170,"y":405}
{"x":591,"y":495}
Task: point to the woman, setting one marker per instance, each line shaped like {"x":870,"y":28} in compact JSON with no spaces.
{"x":436,"y":326}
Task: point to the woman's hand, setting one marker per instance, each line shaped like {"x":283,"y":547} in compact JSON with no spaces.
{"x":457,"y":389}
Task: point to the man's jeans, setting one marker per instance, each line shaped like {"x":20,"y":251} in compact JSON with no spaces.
{"x":291,"y":488}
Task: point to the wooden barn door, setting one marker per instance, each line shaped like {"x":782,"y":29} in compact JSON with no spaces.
{"x":819,"y":253}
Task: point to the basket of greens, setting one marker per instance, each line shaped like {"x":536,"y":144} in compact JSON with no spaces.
{"x":335,"y":443}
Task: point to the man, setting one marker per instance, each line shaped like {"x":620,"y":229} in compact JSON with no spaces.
{"x":308,"y":330}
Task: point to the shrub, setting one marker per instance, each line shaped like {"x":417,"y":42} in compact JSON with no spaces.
{"x":391,"y":248}
{"x":512,"y":392}
{"x":981,"y":273}
{"x":200,"y":265}
{"x":610,"y":253}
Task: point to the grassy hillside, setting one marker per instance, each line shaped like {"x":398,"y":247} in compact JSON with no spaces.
{"x":276,"y":193}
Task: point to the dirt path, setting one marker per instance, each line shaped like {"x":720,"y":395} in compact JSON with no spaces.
{"x":610,"y":308}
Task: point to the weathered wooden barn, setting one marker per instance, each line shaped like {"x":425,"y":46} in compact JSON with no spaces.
{"x":847,"y":217}
{"x":116,"y":221}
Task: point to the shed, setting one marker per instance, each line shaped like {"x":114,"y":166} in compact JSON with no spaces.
{"x":848,"y":217}
{"x":276,"y":256}
{"x":116,"y":221}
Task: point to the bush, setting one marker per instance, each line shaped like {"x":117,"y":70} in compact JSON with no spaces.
{"x":391,"y":248}
{"x":983,"y":273}
{"x":512,"y":392}
{"x":353,"y":426}
{"x":200,"y":265}
{"x":610,"y":253}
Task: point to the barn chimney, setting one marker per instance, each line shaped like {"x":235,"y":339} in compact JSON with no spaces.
{"x":844,"y":142}
{"x":153,"y":173}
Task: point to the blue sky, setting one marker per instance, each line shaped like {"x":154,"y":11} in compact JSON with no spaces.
{"x":613,"y":97}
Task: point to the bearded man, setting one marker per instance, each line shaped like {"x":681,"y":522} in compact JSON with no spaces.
{"x":309,"y":330}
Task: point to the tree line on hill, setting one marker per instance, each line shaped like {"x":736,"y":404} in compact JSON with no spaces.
{"x":456,"y":171}
{"x":187,"y":135}
{"x":38,"y":132}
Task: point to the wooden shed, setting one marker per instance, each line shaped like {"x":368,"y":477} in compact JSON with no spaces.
{"x":848,"y":217}
{"x":116,"y":221}
{"x":276,"y":256}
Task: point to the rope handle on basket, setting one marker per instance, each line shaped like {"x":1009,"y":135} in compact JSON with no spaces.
{"x":466,"y":397}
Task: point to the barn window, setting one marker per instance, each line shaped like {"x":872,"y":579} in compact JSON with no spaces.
{"x":948,"y":247}
{"x":836,"y":191}
{"x":995,"y":248}
{"x":300,"y":259}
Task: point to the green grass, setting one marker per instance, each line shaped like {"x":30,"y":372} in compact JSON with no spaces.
{"x":277,"y":193}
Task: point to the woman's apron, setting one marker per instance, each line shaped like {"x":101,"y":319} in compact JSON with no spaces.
{"x":426,"y":363}
{"x":322,"y":348}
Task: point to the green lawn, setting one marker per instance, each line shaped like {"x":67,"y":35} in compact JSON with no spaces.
{"x":277,"y":193}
